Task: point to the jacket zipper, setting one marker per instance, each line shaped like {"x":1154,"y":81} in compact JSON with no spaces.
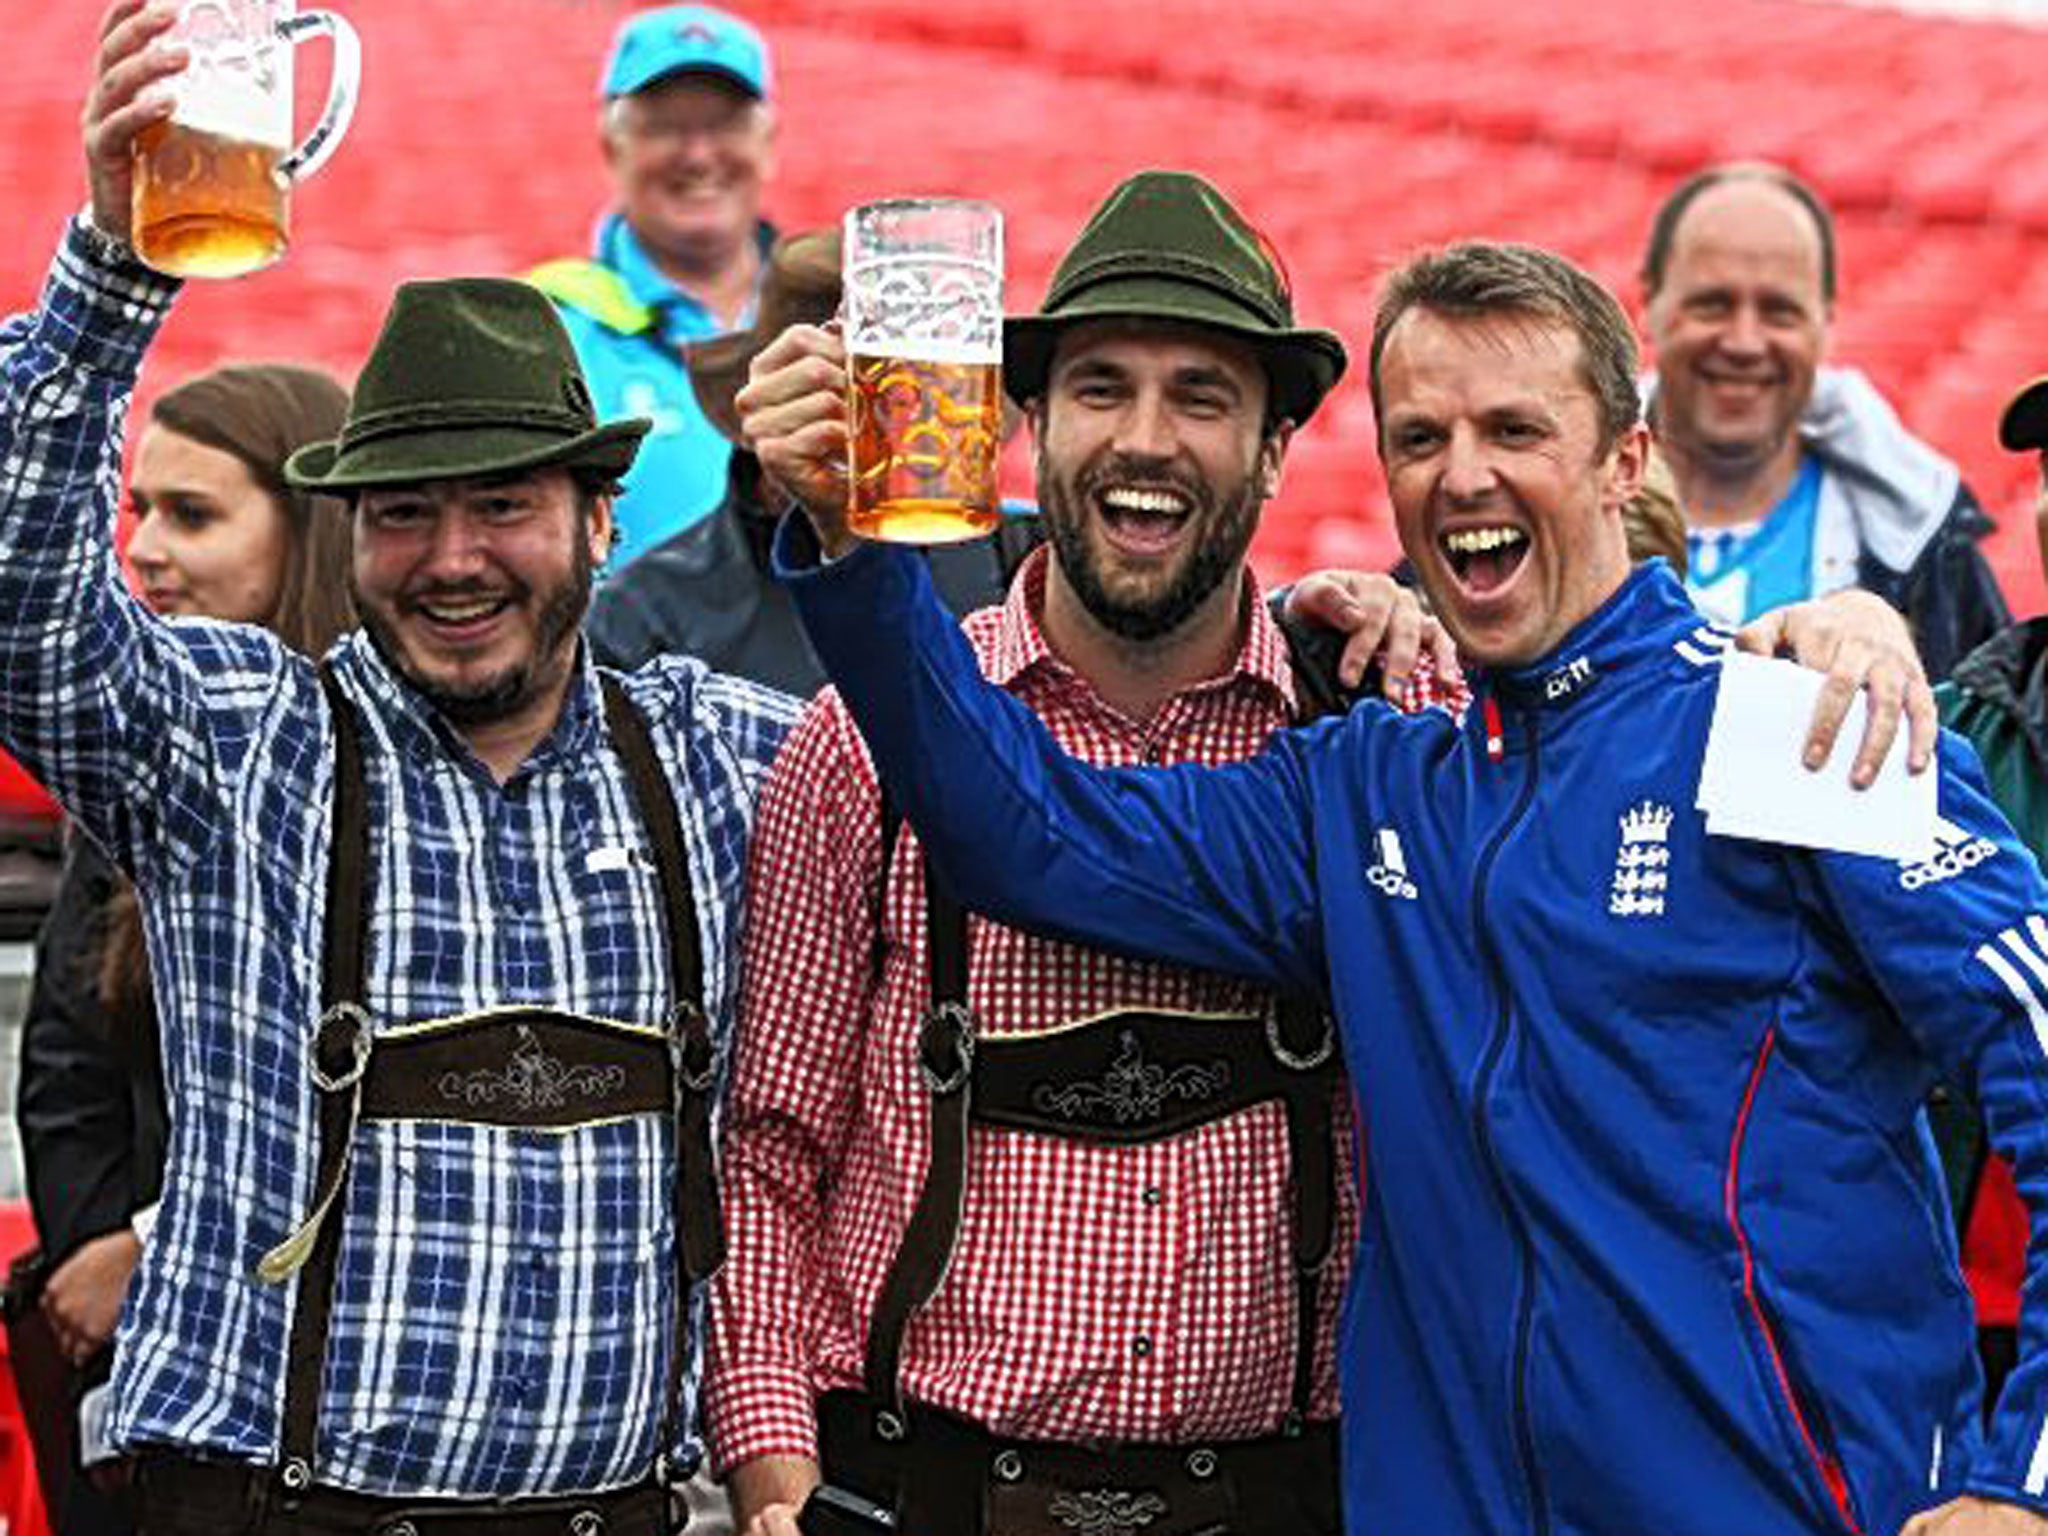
{"x":1525,"y":1440}
{"x":1830,"y":1469}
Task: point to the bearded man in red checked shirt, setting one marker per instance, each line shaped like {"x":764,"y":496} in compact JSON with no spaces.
{"x":1024,"y":1237}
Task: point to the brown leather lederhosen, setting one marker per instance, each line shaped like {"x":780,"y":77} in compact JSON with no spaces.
{"x":530,"y":1067}
{"x":1126,"y":1078}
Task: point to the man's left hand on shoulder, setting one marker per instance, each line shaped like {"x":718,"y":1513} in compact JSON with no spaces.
{"x":1863,"y":645}
{"x":1976,"y":1517}
{"x":1379,"y":619}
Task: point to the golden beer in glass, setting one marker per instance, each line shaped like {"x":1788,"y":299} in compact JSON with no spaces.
{"x":925,"y":437}
{"x":207,"y":206}
{"x":923,"y":325}
{"x":212,"y":187}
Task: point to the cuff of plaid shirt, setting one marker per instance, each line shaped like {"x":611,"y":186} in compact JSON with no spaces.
{"x":101,"y":306}
{"x":759,"y":1410}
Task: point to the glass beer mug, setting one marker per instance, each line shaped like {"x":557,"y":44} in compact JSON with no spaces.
{"x":924,"y":339}
{"x":213,"y":185}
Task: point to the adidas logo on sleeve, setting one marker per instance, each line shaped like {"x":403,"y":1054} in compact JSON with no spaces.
{"x":1955,"y":852}
{"x":1388,"y":871}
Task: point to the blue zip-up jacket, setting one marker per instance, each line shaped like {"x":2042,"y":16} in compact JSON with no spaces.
{"x":1654,"y":1240}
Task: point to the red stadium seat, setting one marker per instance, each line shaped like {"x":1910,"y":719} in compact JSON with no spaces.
{"x":21,"y":1500}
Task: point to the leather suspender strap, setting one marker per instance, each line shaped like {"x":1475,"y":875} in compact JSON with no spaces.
{"x":1312,"y":657}
{"x":1312,"y":1157}
{"x":341,"y":1050}
{"x":341,"y":990}
{"x":699,"y":1234}
{"x":1301,"y":1039}
{"x":341,"y":979}
{"x":946,"y":1058}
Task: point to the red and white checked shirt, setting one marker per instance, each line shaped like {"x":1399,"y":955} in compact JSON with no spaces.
{"x":1129,"y":1293}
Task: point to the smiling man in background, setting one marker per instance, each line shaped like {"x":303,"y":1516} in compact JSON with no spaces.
{"x":1797,"y":480}
{"x":689,"y":140}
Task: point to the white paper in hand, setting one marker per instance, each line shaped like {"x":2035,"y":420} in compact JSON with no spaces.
{"x":1754,"y":783}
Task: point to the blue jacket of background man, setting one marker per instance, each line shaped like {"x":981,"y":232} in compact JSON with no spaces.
{"x":630,"y":325}
{"x":1654,"y":1240}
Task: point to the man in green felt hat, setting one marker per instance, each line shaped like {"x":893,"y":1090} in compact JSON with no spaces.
{"x":483,"y":487}
{"x":440,"y":929}
{"x":1136,"y":1321}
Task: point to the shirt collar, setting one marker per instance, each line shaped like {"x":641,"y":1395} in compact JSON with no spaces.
{"x":1637,"y":622}
{"x":620,"y":249}
{"x":1021,"y":647}
{"x":419,"y":730}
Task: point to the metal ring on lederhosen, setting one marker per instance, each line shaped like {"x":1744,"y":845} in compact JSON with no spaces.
{"x":479,"y":1068}
{"x":1124,"y":1078}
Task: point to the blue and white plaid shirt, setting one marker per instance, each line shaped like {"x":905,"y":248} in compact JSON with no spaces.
{"x":503,"y":1311}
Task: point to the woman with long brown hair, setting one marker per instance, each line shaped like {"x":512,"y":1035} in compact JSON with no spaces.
{"x":219,"y":534}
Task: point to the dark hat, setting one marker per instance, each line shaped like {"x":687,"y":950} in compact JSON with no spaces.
{"x":470,"y":376}
{"x":2024,"y":425}
{"x":800,"y":287}
{"x":1169,"y":246}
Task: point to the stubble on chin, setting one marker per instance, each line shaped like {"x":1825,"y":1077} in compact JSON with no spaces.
{"x":557,"y":629}
{"x":1148,"y":610}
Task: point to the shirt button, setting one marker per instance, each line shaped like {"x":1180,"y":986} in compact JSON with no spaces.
{"x":1152,"y":1195}
{"x":1141,"y":1346}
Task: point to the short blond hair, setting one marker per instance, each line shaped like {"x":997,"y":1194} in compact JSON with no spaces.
{"x":1652,"y":518}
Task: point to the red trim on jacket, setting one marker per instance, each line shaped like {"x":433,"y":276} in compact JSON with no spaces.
{"x":1830,"y":1469}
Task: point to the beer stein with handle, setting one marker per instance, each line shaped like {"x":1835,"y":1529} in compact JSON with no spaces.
{"x":213,"y":185}
{"x":923,"y":318}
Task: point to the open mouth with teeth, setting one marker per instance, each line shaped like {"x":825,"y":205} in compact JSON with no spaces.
{"x":1144,"y":519}
{"x":459,"y":618}
{"x":1484,"y":559}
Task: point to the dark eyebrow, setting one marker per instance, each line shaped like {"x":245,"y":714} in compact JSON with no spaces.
{"x":1398,"y":416}
{"x":501,"y":480}
{"x":1090,"y":369}
{"x":392,"y":495}
{"x":179,"y":493}
{"x":1205,"y":376}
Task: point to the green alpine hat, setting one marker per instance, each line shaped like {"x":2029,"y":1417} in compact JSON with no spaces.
{"x":1169,"y":246}
{"x":470,"y":376}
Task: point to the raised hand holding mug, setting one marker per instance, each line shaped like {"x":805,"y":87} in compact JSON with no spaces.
{"x":212,"y":186}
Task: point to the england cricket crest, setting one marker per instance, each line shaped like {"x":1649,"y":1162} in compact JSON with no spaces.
{"x":1642,"y":864}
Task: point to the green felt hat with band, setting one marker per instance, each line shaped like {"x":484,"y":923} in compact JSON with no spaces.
{"x":471,"y":376}
{"x":1168,"y":246}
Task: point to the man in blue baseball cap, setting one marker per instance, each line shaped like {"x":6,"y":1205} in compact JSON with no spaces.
{"x":689,"y":138}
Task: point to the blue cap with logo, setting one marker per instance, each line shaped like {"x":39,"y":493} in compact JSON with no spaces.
{"x":686,"y":39}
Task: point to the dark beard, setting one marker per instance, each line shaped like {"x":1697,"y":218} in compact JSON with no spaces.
{"x":1228,"y":524}
{"x":506,"y":694}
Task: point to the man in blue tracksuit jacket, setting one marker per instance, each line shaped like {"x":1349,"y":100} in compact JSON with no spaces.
{"x":1653,"y":1240}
